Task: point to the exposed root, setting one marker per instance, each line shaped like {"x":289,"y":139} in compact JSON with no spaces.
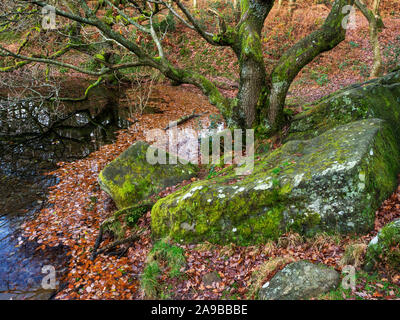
{"x":118,"y":228}
{"x":115,"y":244}
{"x":183,"y":120}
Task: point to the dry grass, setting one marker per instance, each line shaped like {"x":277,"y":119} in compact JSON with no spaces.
{"x":204,"y":246}
{"x":263,"y":273}
{"x":228,"y":250}
{"x":290,"y":240}
{"x":322,"y":240}
{"x":354,"y":255}
{"x":269,"y":248}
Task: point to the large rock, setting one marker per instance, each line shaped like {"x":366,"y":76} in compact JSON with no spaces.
{"x":131,"y":178}
{"x":378,"y":98}
{"x":333,"y":182}
{"x":300,"y":280}
{"x":385,"y":247}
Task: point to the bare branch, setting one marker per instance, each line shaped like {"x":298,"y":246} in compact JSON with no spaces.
{"x":6,"y":52}
{"x":132,"y":22}
{"x":206,"y":35}
{"x":156,"y":39}
{"x":177,"y":15}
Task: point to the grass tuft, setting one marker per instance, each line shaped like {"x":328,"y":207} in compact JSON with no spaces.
{"x":164,"y":258}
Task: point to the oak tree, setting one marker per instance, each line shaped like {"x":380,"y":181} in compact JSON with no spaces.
{"x":261,"y":96}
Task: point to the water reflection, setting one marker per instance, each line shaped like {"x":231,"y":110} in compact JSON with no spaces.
{"x":33,"y":138}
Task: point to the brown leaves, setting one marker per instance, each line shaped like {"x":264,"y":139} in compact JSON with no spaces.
{"x":78,"y":207}
{"x":389,"y":210}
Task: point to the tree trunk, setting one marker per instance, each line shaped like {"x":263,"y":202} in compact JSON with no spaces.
{"x":251,"y":62}
{"x":296,"y":58}
{"x":377,"y":67}
{"x":292,"y":7}
{"x":375,"y":26}
{"x":261,"y":99}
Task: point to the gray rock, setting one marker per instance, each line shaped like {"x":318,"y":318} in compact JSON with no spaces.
{"x":131,"y":178}
{"x":333,"y":183}
{"x":210,"y":278}
{"x":377,"y":98}
{"x":300,"y":280}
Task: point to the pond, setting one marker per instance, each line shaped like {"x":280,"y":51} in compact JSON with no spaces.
{"x":33,"y":138}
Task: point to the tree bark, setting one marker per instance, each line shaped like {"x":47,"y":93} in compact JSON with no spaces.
{"x":292,"y":7}
{"x":251,"y":62}
{"x":374,"y":35}
{"x":297,"y":57}
{"x":375,"y":26}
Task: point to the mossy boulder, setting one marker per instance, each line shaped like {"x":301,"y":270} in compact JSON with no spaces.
{"x":130,"y":178}
{"x":378,"y":98}
{"x":385,"y":247}
{"x":300,"y":280}
{"x":333,"y":183}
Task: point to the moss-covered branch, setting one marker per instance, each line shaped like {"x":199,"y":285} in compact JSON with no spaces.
{"x":216,"y":98}
{"x":303,"y":52}
{"x":51,"y":61}
{"x":87,"y":91}
{"x":369,"y":14}
{"x":248,"y":48}
{"x":28,"y":60}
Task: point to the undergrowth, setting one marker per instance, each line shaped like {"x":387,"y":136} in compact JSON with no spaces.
{"x":164,"y":262}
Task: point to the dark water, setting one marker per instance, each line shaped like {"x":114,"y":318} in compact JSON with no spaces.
{"x":32,"y":140}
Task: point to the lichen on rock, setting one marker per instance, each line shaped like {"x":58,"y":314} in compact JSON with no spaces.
{"x":333,"y":183}
{"x":300,"y":280}
{"x":377,"y":98}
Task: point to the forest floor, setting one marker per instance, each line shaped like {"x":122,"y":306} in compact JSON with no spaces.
{"x":77,"y":206}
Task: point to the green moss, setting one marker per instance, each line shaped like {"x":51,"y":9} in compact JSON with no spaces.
{"x":385,"y":248}
{"x":266,"y":226}
{"x":251,"y":44}
{"x":125,"y":218}
{"x":130,"y":178}
{"x":220,"y":218}
{"x":306,"y":223}
{"x":331,"y":183}
{"x":130,"y":191}
{"x":379,"y":172}
{"x":134,"y":214}
{"x":163,"y":258}
{"x":376,"y":98}
{"x":227,"y":38}
{"x":215,"y":96}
